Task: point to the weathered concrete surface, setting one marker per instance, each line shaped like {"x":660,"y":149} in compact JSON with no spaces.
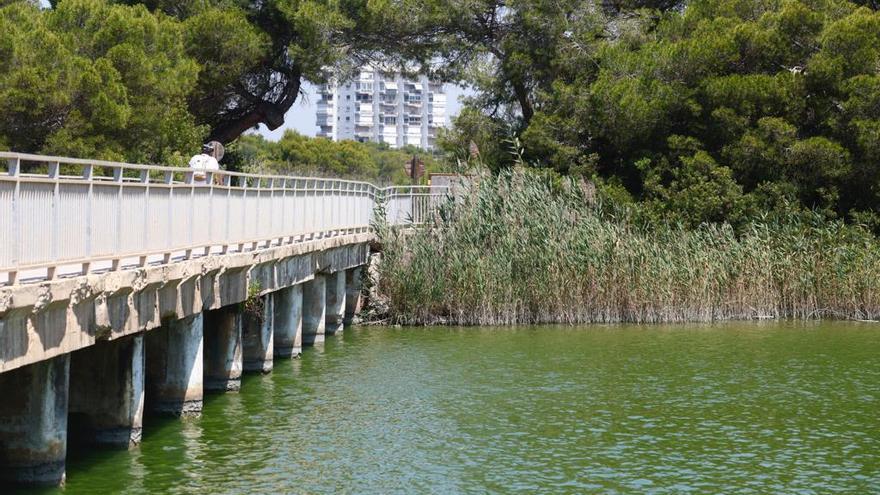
{"x":257,"y":337}
{"x":353,"y":288}
{"x":174,"y":357}
{"x":223,"y":349}
{"x":335,"y":301}
{"x":288,"y":322}
{"x":44,"y":320}
{"x":107,"y":393}
{"x":314,"y":310}
{"x":33,"y":423}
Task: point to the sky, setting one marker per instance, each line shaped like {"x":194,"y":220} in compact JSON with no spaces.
{"x":301,"y":116}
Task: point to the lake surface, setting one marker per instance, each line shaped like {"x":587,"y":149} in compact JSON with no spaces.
{"x":745,"y":408}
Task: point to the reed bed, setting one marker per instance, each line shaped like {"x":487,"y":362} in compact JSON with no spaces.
{"x":522,"y":249}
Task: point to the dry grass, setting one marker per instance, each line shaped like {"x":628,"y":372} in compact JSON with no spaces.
{"x":520,"y":250}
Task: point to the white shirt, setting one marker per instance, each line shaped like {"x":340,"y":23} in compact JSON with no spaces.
{"x":202,"y":162}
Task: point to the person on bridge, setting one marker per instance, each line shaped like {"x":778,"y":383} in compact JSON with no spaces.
{"x":207,"y":160}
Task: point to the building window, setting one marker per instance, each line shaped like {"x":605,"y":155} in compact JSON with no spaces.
{"x":390,"y":120}
{"x":347,"y":97}
{"x":348,"y":119}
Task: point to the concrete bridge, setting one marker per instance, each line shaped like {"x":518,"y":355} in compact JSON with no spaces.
{"x":131,"y":289}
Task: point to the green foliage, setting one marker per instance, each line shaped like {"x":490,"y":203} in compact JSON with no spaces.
{"x":301,"y":155}
{"x":778,"y":100}
{"x":94,"y":80}
{"x":255,"y":55}
{"x":524,"y":249}
{"x":253,"y":306}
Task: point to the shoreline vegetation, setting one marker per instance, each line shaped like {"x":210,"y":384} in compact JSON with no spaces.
{"x":522,"y":248}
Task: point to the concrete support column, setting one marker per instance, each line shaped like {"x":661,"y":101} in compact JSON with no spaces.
{"x":174,"y":367}
{"x":257,"y":337}
{"x":288,"y":322}
{"x":352,"y":293}
{"x":107,"y":393}
{"x":314,"y":310}
{"x":335,"y":303}
{"x":33,"y":423}
{"x":223,"y":349}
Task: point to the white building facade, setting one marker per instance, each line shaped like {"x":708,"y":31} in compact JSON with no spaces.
{"x":382,"y":107}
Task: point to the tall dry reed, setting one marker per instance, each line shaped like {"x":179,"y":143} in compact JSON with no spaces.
{"x":519,"y":249}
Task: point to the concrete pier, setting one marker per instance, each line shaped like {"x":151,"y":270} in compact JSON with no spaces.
{"x":107,"y":393}
{"x":33,"y":423}
{"x":84,"y":356}
{"x":257,"y":337}
{"x":352,"y":294}
{"x":174,"y":354}
{"x":314,"y":310}
{"x":223,"y":349}
{"x":335,"y":303}
{"x":288,"y":322}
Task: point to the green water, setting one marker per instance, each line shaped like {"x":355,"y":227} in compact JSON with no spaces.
{"x":744,"y":408}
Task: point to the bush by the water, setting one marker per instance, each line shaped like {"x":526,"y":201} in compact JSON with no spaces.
{"x":521,"y":248}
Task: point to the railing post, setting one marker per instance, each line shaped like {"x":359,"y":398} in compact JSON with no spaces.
{"x":257,"y":216}
{"x":331,"y":213}
{"x":243,"y":181}
{"x":14,"y":170}
{"x":349,"y":206}
{"x":88,"y":175}
{"x":318,"y":211}
{"x":283,"y":202}
{"x":271,"y":232}
{"x":189,"y":178}
{"x":227,"y":182}
{"x":210,"y":179}
{"x":309,"y":208}
{"x":324,"y":208}
{"x":145,"y":234}
{"x":54,"y":173}
{"x":169,"y":232}
{"x":117,"y":242}
{"x":305,"y":207}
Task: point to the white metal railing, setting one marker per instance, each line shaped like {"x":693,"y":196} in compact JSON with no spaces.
{"x":412,"y":204}
{"x":66,"y":216}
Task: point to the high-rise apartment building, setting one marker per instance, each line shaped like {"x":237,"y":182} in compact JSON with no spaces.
{"x":382,"y":107}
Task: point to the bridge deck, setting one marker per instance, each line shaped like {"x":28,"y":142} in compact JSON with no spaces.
{"x":92,"y":250}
